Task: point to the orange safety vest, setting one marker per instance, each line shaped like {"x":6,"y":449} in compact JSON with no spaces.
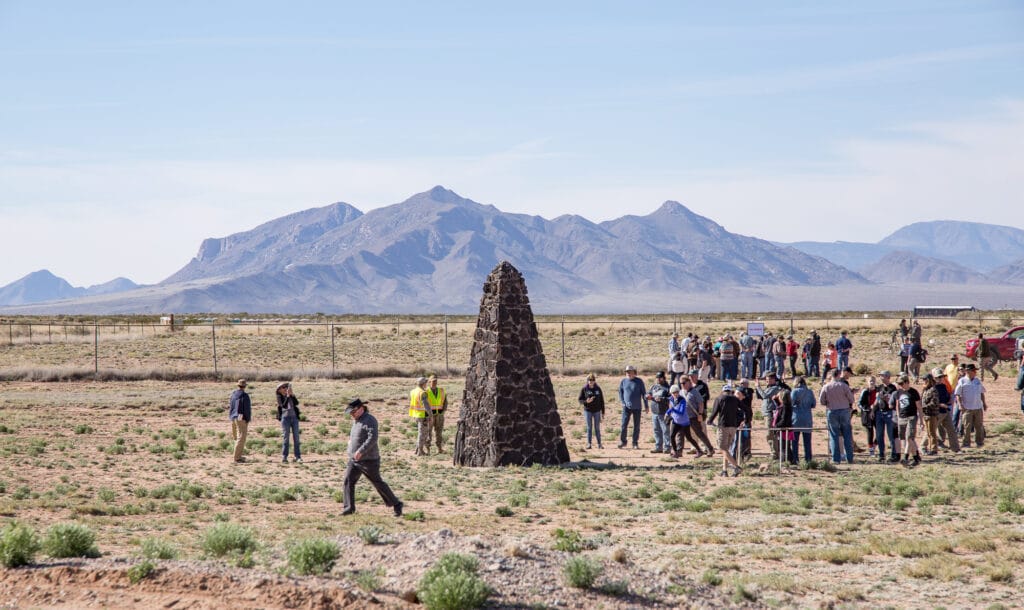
{"x":416,"y":407}
{"x":436,"y":402}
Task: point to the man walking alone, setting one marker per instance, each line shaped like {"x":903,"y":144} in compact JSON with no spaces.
{"x":364,"y":459}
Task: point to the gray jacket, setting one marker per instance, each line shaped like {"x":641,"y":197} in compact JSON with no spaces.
{"x":364,"y":438}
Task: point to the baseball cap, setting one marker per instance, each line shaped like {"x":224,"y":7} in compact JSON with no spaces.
{"x":674,"y":389}
{"x":421,"y":381}
{"x":727,"y":388}
{"x":630,"y":368}
{"x":938,"y":372}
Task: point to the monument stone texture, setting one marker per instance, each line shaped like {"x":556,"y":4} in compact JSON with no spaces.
{"x":509,"y":415}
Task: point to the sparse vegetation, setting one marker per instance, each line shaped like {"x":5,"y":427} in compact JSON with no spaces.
{"x":313,"y":556}
{"x":453,"y":584}
{"x":70,"y":540}
{"x":18,"y":545}
{"x":581,"y":572}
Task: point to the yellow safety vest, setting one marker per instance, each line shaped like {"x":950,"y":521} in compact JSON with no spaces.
{"x":416,"y":407}
{"x":436,"y":402}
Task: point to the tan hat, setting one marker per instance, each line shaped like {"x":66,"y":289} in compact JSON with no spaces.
{"x":938,"y":372}
{"x":283,"y":384}
{"x":242,"y":383}
{"x":432,"y":378}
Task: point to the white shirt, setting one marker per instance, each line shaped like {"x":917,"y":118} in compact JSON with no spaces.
{"x":969,"y":392}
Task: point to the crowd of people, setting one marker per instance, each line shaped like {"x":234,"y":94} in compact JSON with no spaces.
{"x":947,"y":413}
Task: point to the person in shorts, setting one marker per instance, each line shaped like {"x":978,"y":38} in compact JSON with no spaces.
{"x":908,"y":406}
{"x":726,"y":414}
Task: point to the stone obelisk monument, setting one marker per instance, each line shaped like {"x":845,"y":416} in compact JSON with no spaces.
{"x":509,"y":415}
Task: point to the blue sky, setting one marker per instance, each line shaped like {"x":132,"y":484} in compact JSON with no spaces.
{"x":130,"y":131}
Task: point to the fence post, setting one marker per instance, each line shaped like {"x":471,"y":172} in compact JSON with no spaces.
{"x":30,"y":332}
{"x":332,"y":350}
{"x":96,"y":347}
{"x":10,"y":333}
{"x":563,"y":344}
{"x":213,"y":332}
{"x":65,"y":333}
{"x":49,"y":335}
{"x":446,"y":368}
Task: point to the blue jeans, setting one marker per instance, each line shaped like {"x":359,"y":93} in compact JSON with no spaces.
{"x":842,"y":361}
{"x":794,"y":446}
{"x":661,"y":440}
{"x":780,"y":366}
{"x":884,"y":427}
{"x":747,"y":365}
{"x":814,"y":367}
{"x":626,"y":414}
{"x":593,"y":419}
{"x":730,"y":367}
{"x":839,"y":426}
{"x":290,"y":427}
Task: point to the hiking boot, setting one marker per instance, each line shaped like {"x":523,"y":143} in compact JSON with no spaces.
{"x":398,"y":509}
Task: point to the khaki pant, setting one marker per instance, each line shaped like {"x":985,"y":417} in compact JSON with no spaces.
{"x":423,"y":425}
{"x":932,"y":423}
{"x":986,"y":365}
{"x":239,"y":430}
{"x":438,"y":427}
{"x":974,"y":422}
{"x":946,"y":426}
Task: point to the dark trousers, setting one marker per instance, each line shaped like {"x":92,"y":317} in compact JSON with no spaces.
{"x":628,"y":414}
{"x":370,"y":468}
{"x":794,"y":446}
{"x":698,"y":431}
{"x":677,"y":433}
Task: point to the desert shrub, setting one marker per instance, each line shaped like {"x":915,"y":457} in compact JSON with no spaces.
{"x":230,"y":540}
{"x":70,"y":540}
{"x":313,"y":556}
{"x":141,"y":570}
{"x":18,"y":545}
{"x":155,"y":548}
{"x":370,"y":534}
{"x":368,"y":580}
{"x":570,"y":541}
{"x":581,"y":572}
{"x":453,"y":584}
{"x":503,"y":511}
{"x":711,"y":577}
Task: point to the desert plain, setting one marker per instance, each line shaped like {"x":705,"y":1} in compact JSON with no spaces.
{"x":140,"y":454}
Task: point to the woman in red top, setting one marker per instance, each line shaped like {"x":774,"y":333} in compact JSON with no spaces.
{"x":792,"y":350}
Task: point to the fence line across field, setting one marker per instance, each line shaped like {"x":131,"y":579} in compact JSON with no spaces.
{"x":30,"y":333}
{"x":782,"y":443}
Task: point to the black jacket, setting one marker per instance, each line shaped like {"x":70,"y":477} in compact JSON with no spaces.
{"x":282,"y":405}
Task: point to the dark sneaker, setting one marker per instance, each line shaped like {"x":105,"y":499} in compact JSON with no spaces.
{"x":622,"y":445}
{"x":348,"y":512}
{"x":398,"y":509}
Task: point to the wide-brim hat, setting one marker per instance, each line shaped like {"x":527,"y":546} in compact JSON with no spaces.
{"x":283,"y":384}
{"x":355,"y":404}
{"x":242,"y":383}
{"x":970,"y":366}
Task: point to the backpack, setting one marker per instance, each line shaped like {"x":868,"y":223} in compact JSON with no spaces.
{"x":882,"y":398}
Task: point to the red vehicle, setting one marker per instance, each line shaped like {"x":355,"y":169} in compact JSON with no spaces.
{"x":1002,"y":347}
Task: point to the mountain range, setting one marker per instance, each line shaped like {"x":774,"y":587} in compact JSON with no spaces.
{"x":41,"y":286}
{"x":430,"y":253}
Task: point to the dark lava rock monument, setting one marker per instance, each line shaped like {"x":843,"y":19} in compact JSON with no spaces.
{"x":509,"y":415}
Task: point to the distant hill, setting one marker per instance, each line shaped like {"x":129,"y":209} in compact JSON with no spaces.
{"x":902,"y":266}
{"x":42,"y":286}
{"x":971,"y":244}
{"x":1012,"y":273}
{"x":974,"y":245}
{"x":430,"y":253}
